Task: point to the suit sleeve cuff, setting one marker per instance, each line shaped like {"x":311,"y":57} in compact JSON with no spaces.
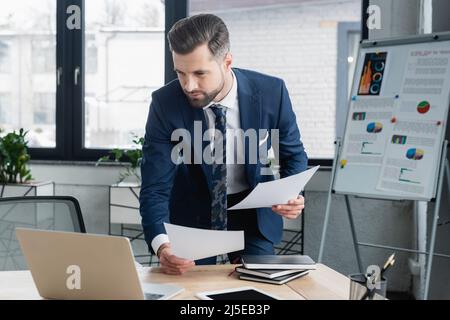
{"x":159,"y":240}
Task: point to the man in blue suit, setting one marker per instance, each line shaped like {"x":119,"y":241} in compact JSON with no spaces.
{"x":212,"y":101}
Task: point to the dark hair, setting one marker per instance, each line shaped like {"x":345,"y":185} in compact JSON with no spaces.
{"x":191,"y":32}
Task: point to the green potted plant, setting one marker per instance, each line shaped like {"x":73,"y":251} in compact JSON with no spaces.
{"x":14,"y":158}
{"x":132,"y":157}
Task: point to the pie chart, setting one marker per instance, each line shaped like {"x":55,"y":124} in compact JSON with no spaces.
{"x":377,"y":77}
{"x":415,"y":154}
{"x":379,"y":66}
{"x":375,"y":88}
{"x":423,"y":107}
{"x":374,"y":127}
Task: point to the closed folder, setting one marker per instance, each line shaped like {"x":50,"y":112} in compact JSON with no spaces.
{"x":278,"y":280}
{"x":299,"y":262}
{"x":266,"y":273}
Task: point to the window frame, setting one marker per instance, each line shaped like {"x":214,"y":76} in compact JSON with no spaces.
{"x":70,"y":53}
{"x":364,"y":18}
{"x":63,"y":42}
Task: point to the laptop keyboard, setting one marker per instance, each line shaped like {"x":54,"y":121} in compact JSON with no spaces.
{"x":152,"y":296}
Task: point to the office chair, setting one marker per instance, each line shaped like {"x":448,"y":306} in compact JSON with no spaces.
{"x":61,"y":213}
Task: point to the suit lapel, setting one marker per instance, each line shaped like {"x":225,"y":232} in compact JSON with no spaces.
{"x":250,"y":116}
{"x":195,"y":122}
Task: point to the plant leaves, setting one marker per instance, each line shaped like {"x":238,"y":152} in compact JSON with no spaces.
{"x":14,"y":157}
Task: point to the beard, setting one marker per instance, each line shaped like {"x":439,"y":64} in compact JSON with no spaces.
{"x":204,"y":97}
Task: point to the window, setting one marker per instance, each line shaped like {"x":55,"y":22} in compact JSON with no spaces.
{"x":297,"y":41}
{"x":120,"y":56}
{"x":27,"y":67}
{"x":5,"y":110}
{"x":43,"y":53}
{"x":5,"y":55}
{"x":43,"y":108}
{"x":91,"y":54}
{"x":124,"y":64}
{"x":117,"y":56}
{"x":42,"y":133}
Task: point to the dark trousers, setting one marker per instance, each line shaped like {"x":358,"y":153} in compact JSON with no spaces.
{"x":255,"y":242}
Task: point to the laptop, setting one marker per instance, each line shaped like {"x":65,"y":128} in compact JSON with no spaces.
{"x":68,"y":265}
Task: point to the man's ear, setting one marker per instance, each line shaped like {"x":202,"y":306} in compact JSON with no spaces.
{"x":228,"y":61}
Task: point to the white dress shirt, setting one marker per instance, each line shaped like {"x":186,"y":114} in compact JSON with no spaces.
{"x":236,"y":181}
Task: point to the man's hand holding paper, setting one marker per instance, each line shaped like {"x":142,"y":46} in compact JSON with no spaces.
{"x":292,"y":209}
{"x":281,"y":195}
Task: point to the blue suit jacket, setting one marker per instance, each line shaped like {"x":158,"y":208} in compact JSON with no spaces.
{"x":181,"y":194}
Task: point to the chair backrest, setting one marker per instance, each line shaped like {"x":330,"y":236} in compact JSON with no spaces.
{"x":60,"y":213}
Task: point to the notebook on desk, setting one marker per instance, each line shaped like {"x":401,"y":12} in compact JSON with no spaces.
{"x":266,"y":273}
{"x":278,"y":280}
{"x":299,"y":262}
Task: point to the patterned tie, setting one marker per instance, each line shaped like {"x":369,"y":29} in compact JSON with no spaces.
{"x":219,"y":172}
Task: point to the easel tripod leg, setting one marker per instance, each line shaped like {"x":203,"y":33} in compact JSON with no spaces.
{"x":327,"y":210}
{"x":431,"y":252}
{"x":354,"y":238}
{"x":447,"y":171}
{"x":444,"y":165}
{"x":325,"y":227}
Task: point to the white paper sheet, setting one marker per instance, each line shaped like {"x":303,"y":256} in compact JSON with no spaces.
{"x":267,"y":194}
{"x":194,"y":244}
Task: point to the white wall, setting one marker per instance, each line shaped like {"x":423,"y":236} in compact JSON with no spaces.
{"x":298,"y":43}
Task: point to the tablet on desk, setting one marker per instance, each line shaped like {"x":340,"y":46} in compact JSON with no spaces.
{"x":241,"y":293}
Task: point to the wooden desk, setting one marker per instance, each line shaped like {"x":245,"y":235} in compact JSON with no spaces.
{"x":323,"y":283}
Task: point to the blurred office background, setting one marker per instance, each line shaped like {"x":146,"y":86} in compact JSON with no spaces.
{"x":82,"y":93}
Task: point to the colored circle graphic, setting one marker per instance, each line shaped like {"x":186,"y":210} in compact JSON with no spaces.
{"x":377,"y":77}
{"x":415,"y":154}
{"x":379,"y":66}
{"x":374,"y":127}
{"x":423,"y":107}
{"x":375,"y":88}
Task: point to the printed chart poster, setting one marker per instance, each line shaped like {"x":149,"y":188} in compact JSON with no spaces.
{"x":412,"y":154}
{"x":368,"y":129}
{"x":425,"y":85}
{"x":422,"y":107}
{"x":410,"y":162}
{"x":372,"y":74}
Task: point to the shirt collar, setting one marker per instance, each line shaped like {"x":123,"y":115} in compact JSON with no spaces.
{"x":229,"y":100}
